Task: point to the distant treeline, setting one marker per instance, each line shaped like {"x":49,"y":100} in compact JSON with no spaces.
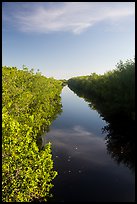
{"x":64,"y":82}
{"x":114,"y":92}
{"x":30,"y":102}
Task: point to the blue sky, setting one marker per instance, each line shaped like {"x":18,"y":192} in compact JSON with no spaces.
{"x":66,"y":39}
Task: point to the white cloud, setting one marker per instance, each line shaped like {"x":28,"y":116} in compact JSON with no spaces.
{"x":81,"y":131}
{"x":74,"y":17}
{"x":79,"y":142}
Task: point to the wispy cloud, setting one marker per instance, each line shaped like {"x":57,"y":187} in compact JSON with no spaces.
{"x":79,"y":142}
{"x":74,"y":17}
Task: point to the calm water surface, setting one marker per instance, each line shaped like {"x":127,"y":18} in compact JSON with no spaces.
{"x":86,"y":172}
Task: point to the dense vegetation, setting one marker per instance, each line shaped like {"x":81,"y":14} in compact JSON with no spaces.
{"x":115,"y":89}
{"x":30,"y":102}
{"x":113,"y":96}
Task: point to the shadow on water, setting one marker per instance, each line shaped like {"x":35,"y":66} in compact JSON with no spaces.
{"x":120,"y":142}
{"x":46,"y":129}
{"x":120,"y":139}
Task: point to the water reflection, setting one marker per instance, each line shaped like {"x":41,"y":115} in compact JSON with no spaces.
{"x":120,"y":139}
{"x":78,"y":143}
{"x":57,"y":112}
{"x":120,"y":143}
{"x":86,"y":171}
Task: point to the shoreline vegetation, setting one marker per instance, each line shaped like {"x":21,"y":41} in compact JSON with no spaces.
{"x":30,"y":102}
{"x":115,"y":90}
{"x":113,"y":96}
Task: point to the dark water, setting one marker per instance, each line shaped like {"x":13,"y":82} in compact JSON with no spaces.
{"x":86,"y":172}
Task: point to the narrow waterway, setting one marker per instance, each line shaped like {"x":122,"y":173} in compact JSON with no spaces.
{"x":86,"y":172}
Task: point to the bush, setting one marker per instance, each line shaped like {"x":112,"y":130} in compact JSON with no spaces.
{"x":29,"y":105}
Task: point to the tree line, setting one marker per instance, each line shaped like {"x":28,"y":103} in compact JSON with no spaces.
{"x":114,"y":91}
{"x":113,"y":96}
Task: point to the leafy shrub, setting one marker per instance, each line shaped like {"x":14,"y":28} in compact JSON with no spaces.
{"x":29,"y":105}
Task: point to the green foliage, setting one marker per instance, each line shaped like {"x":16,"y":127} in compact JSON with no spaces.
{"x":113,"y":96}
{"x":115,"y":89}
{"x":29,"y":105}
{"x":64,"y":82}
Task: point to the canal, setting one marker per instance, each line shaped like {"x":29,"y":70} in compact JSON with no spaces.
{"x":86,"y":172}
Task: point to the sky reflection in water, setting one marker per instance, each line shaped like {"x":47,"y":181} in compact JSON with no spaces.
{"x":86,"y":171}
